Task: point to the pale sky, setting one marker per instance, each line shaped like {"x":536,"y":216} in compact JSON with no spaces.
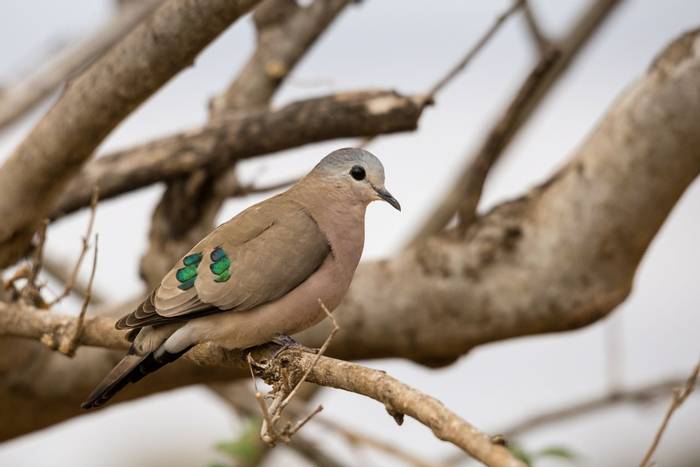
{"x":406,"y":45}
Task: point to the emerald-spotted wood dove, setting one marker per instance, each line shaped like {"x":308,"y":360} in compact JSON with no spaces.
{"x":261,"y":274}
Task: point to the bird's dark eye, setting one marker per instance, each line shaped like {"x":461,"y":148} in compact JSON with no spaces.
{"x":358,"y":173}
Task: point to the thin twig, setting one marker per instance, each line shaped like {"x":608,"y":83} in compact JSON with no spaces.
{"x":464,"y":197}
{"x":679,"y":396}
{"x":533,"y":26}
{"x":56,"y":267}
{"x":457,"y":68}
{"x":475,"y":49}
{"x":70,"y":283}
{"x":72,"y":344}
{"x":302,"y":422}
{"x":357,"y":438}
{"x":641,"y":395}
{"x":319,"y":354}
{"x":31,"y":292}
{"x":272,"y":413}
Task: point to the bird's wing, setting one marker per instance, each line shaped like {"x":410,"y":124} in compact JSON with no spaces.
{"x":256,"y":257}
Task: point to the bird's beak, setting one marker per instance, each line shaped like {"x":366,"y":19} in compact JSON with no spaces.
{"x":386,"y":196}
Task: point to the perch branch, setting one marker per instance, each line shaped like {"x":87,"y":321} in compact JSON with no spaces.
{"x":398,"y":398}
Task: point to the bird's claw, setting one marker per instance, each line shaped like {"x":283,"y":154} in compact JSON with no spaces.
{"x":288,"y":342}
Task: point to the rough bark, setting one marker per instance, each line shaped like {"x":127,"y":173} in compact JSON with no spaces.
{"x":558,"y":258}
{"x":95,"y":102}
{"x":252,"y":134}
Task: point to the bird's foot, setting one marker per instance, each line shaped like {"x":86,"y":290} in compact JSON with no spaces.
{"x":288,"y":342}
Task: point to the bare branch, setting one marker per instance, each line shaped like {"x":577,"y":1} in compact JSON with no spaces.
{"x":464,"y":197}
{"x":283,"y":39}
{"x":359,"y":439}
{"x":244,"y":136}
{"x":458,"y":67}
{"x":397,"y":397}
{"x":679,"y":396}
{"x":57,"y":268}
{"x":94,"y":103}
{"x":533,"y":27}
{"x":69,"y":346}
{"x":641,"y":395}
{"x":18,"y":98}
{"x":269,"y":431}
{"x":476,"y":48}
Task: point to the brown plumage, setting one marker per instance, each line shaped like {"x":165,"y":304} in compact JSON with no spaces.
{"x":260,"y":274}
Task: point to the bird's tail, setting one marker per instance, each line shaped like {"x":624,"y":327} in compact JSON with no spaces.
{"x":130,"y":369}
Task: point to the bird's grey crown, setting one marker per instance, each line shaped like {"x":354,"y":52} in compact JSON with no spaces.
{"x":343,"y":159}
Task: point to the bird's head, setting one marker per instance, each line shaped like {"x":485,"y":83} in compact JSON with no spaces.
{"x":355,"y":173}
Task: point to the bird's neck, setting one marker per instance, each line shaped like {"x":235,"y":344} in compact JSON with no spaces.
{"x":341,"y":219}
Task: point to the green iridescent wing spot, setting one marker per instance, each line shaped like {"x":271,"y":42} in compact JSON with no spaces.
{"x":223,"y":277}
{"x":220,"y":265}
{"x":188,"y":274}
{"x":192,"y":260}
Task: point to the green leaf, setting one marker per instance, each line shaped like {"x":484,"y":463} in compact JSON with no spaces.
{"x":520,"y":454}
{"x":247,"y":449}
{"x":558,"y":451}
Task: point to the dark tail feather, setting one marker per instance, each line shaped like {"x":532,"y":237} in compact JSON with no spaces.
{"x":130,"y":369}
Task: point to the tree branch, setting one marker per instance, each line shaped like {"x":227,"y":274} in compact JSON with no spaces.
{"x":95,"y":103}
{"x":244,"y":136}
{"x":18,"y":98}
{"x":559,"y":258}
{"x":464,"y":197}
{"x":398,"y":398}
{"x":680,"y":394}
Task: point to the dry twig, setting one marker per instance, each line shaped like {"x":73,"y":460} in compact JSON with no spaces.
{"x":641,"y":395}
{"x":272,"y":414}
{"x":533,"y":27}
{"x":679,"y":396}
{"x":457,"y":68}
{"x":70,"y":283}
{"x":356,"y":438}
{"x":464,"y":197}
{"x":69,"y":346}
{"x":473,"y":51}
{"x":55,"y":266}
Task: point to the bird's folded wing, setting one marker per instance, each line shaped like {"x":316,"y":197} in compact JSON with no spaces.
{"x":255,"y":258}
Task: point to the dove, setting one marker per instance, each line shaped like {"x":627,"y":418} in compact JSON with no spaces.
{"x":260,"y":276}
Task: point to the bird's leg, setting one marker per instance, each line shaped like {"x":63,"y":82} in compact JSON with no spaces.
{"x":288,"y":342}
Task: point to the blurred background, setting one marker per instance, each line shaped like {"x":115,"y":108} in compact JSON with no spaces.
{"x":405,"y":45}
